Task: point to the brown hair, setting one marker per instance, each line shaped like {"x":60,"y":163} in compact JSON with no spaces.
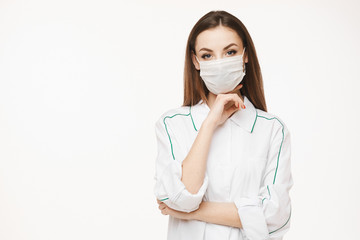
{"x":194,"y":87}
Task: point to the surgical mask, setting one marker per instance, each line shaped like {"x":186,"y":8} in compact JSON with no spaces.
{"x":222,"y":75}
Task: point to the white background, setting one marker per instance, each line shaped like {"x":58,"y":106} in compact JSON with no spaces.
{"x":83,"y":82}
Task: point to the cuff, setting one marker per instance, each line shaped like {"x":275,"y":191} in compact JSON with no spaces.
{"x":172,"y":191}
{"x":252,"y":218}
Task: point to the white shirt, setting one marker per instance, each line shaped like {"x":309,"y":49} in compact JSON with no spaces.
{"x":248,"y":164}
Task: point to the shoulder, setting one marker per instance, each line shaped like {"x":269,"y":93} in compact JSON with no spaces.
{"x":274,"y":121}
{"x":171,"y":114}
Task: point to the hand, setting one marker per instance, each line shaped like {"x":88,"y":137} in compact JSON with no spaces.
{"x":225,"y":105}
{"x":165,"y":210}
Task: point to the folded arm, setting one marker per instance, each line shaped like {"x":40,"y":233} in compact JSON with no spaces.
{"x":222,"y":213}
{"x":181,"y":179}
{"x":265,"y":216}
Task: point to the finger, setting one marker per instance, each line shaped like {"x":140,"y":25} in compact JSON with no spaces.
{"x":162,"y":206}
{"x":230,"y":111}
{"x":227,"y":100}
{"x":239,"y":101}
{"x":164,"y":211}
{"x":233,"y":97}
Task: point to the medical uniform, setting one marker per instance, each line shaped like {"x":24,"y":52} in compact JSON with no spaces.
{"x":248,"y":164}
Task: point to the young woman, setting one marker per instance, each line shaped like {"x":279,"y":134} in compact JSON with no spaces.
{"x":223,"y":167}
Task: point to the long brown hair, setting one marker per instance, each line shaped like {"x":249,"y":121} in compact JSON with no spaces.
{"x":194,"y":87}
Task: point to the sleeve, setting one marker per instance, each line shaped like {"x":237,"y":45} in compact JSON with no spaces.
{"x":168,"y":171}
{"x":267,"y":216}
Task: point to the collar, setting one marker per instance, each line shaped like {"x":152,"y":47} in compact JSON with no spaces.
{"x":244,"y":118}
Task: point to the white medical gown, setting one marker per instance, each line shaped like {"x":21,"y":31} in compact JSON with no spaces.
{"x":248,"y":164}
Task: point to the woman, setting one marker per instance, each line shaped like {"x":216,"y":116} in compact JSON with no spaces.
{"x":223,"y":167}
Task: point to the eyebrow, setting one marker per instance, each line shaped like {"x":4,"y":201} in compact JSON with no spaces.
{"x":209,"y":50}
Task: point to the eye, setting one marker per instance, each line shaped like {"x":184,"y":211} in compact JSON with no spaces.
{"x":231,"y":52}
{"x":206,"y":56}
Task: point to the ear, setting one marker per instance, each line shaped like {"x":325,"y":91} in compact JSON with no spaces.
{"x":245,"y":60}
{"x":194,"y":60}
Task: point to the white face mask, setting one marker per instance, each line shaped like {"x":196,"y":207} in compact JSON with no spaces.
{"x":222,"y":75}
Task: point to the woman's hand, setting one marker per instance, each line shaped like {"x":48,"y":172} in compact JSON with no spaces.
{"x":224,"y":106}
{"x":165,"y":210}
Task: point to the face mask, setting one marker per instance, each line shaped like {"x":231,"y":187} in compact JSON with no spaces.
{"x":222,"y":75}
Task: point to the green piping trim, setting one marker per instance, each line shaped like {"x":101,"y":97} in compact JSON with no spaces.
{"x":284,"y":223}
{"x":277,"y":164}
{"x":287,"y":219}
{"x":177,"y":114}
{"x":192,"y":118}
{"x":269,"y":194}
{"x":164,"y":199}
{"x":254,"y":121}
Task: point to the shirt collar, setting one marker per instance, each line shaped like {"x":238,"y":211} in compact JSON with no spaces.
{"x":244,"y":118}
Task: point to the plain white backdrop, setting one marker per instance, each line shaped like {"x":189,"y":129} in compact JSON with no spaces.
{"x":83,"y":82}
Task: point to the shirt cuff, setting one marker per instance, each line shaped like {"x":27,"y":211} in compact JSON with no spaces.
{"x":172,"y":191}
{"x":252,"y":218}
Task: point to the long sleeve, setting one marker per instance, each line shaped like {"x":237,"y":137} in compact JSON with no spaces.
{"x":168,"y":187}
{"x":267,"y":216}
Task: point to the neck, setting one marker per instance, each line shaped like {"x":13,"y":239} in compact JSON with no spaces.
{"x":211,"y":97}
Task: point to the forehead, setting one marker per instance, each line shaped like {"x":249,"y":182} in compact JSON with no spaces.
{"x":217,"y":38}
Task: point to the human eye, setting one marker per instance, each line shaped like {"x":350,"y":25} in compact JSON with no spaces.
{"x":206,"y":56}
{"x":231,"y":52}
